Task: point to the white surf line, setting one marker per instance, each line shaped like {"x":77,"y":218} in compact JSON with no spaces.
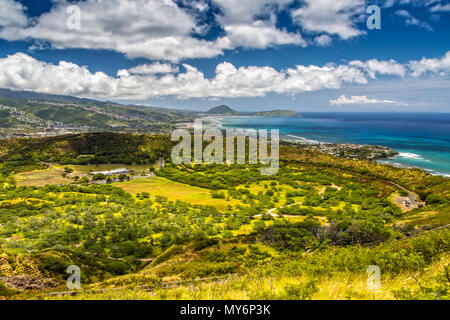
{"x":304,"y":140}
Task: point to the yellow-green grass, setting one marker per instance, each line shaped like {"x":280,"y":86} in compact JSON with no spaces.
{"x":249,"y":228}
{"x":335,"y":286}
{"x":259,"y":186}
{"x":40,"y":178}
{"x":425,"y":218}
{"x":52,"y":175}
{"x":174,"y":191}
{"x":86,"y":169}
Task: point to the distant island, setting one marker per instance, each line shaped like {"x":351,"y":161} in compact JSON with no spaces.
{"x":277,"y":113}
{"x":225,"y":110}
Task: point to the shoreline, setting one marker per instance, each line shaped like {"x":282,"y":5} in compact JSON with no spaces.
{"x":392,"y":160}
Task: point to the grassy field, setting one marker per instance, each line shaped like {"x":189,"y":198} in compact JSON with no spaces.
{"x":40,"y":178}
{"x":83,"y":170}
{"x":174,"y":191}
{"x":52,"y":175}
{"x":260,"y":285}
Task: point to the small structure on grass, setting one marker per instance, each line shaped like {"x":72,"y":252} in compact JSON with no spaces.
{"x":112,"y":172}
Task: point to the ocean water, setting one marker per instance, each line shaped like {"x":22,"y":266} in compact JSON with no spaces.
{"x":423,"y":139}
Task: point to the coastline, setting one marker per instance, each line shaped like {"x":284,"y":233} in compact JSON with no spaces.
{"x":433,"y":162}
{"x":346,"y":150}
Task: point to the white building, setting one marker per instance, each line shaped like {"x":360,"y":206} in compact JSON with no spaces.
{"x":112,"y":172}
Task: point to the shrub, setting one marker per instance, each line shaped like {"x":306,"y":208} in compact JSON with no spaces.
{"x":403,"y":193}
{"x":68,"y":170}
{"x":435,"y":199}
{"x":117,"y":268}
{"x":218,"y":195}
{"x":99,"y":176}
{"x":5,"y":291}
{"x":172,"y":251}
{"x":303,"y":291}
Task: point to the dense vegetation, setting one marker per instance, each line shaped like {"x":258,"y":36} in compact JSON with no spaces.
{"x":319,"y":219}
{"x":91,"y":148}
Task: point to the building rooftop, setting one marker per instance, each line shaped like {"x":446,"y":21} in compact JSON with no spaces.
{"x":112,"y":172}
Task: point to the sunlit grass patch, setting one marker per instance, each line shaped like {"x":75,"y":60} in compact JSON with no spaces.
{"x":41,"y":178}
{"x":86,"y":169}
{"x":174,"y":191}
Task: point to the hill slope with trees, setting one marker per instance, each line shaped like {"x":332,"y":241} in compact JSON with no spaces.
{"x":332,"y":218}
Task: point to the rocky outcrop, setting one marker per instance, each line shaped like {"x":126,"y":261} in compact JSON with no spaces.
{"x":29,"y":283}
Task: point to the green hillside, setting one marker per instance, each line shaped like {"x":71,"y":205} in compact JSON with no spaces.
{"x":73,"y":112}
{"x":89,"y":148}
{"x":277,"y":113}
{"x":225,"y":110}
{"x":222,"y":110}
{"x":308,"y":232}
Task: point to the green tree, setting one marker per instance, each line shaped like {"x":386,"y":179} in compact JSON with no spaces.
{"x":68,"y":170}
{"x":99,"y":176}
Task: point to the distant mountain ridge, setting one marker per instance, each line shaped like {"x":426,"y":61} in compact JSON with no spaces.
{"x":31,"y":95}
{"x":33,"y":112}
{"x":222,"y":110}
{"x":225,"y":110}
{"x":277,"y":113}
{"x":36,"y":110}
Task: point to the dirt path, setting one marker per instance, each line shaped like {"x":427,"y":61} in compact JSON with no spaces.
{"x":271,"y":211}
{"x":412,"y":198}
{"x":409,"y":202}
{"x":322,"y":191}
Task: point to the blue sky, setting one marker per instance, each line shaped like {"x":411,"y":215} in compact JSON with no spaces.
{"x":309,"y":55}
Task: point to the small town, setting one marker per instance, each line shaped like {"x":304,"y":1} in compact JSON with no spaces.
{"x":355,"y":151}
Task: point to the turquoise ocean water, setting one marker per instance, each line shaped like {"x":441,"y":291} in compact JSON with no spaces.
{"x":423,"y":139}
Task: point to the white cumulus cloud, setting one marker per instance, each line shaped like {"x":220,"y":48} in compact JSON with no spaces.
{"x":434,"y":65}
{"x":343,"y":100}
{"x":330,"y":16}
{"x":12,"y":14}
{"x":155,"y":68}
{"x":323,"y":40}
{"x":152,"y":29}
{"x":22,"y":72}
{"x":384,"y":67}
